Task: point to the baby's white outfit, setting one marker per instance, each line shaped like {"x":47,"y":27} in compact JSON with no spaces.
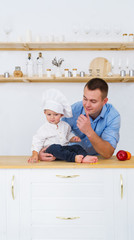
{"x":49,"y":134}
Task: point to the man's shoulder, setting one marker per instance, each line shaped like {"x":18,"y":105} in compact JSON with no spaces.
{"x":111,"y":110}
{"x":112,"y":115}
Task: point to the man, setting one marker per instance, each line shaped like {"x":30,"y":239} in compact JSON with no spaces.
{"x":95,"y":121}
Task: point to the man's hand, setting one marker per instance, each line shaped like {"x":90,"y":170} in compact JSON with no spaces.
{"x":75,"y":139}
{"x":83,"y":123}
{"x":102,"y":147}
{"x":46,"y":156}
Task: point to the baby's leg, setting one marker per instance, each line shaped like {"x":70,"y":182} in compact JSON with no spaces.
{"x":89,"y":159}
{"x":79,"y":158}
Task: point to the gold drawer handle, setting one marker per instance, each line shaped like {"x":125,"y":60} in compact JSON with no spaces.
{"x":68,"y":176}
{"x":12,"y":188}
{"x":68,"y":218}
{"x":121,"y":179}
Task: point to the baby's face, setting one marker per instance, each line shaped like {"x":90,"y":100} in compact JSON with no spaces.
{"x":52,"y":117}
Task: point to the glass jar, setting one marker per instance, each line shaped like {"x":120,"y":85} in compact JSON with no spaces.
{"x":48,"y":72}
{"x":74,"y":72}
{"x":17,"y":72}
{"x":66,"y":72}
{"x":131,"y":37}
{"x":82,"y":74}
{"x":125,"y":37}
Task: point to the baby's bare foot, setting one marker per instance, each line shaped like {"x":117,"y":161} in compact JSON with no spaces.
{"x":90,"y":159}
{"x":78,"y":158}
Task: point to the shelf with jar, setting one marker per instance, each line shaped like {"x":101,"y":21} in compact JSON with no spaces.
{"x":78,"y":79}
{"x":65,"y":46}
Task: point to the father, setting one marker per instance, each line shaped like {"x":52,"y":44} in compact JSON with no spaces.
{"x":95,"y":121}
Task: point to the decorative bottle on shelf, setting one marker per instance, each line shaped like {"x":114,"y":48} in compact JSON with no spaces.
{"x":29,"y":66}
{"x":40,"y":61}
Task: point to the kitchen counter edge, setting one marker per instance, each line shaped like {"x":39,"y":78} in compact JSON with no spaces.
{"x":20,"y":162}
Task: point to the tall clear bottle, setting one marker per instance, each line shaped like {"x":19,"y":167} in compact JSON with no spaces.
{"x":40,"y":62}
{"x":30,"y":66}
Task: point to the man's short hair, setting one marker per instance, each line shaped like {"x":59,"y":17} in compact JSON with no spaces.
{"x":98,"y":83}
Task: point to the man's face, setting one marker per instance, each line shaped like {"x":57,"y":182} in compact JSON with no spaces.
{"x":93,"y":102}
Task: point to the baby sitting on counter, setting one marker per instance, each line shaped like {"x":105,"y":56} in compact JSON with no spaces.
{"x":55,"y":135}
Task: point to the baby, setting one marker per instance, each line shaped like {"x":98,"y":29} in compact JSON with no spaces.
{"x":55,"y":135}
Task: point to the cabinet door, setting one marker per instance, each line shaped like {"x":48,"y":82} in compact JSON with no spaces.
{"x":130,"y":205}
{"x":120,"y":204}
{"x":9,"y":204}
{"x":2,"y":204}
{"x":12,"y":204}
{"x":67,"y":204}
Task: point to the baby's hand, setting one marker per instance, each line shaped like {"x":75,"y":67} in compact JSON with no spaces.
{"x":33,"y":159}
{"x":75,"y":139}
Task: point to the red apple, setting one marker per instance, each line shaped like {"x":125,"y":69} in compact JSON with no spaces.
{"x":122,"y":155}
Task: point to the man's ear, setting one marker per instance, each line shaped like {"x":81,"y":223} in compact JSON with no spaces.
{"x":105,"y":101}
{"x":44,"y":111}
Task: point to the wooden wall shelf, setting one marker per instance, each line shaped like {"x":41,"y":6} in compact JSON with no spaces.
{"x":65,"y":46}
{"x":112,"y":79}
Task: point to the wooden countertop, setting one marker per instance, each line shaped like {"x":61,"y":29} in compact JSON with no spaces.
{"x":20,"y":162}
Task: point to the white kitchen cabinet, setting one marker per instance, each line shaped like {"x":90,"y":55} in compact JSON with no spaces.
{"x":67,"y":204}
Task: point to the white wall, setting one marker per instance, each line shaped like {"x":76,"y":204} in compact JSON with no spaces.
{"x":20,"y":103}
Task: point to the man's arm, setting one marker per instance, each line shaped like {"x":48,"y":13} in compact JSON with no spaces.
{"x":102,"y":147}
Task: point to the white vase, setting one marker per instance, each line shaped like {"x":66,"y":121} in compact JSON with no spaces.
{"x":58,"y":72}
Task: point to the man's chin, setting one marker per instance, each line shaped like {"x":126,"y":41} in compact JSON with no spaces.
{"x":88,"y":112}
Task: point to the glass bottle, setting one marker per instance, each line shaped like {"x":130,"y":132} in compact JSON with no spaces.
{"x":29,"y":66}
{"x":40,"y":61}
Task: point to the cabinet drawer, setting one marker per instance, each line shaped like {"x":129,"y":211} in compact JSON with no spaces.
{"x":65,"y":217}
{"x":67,"y":175}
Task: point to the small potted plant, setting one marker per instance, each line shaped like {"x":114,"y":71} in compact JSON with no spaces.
{"x":57,"y":63}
